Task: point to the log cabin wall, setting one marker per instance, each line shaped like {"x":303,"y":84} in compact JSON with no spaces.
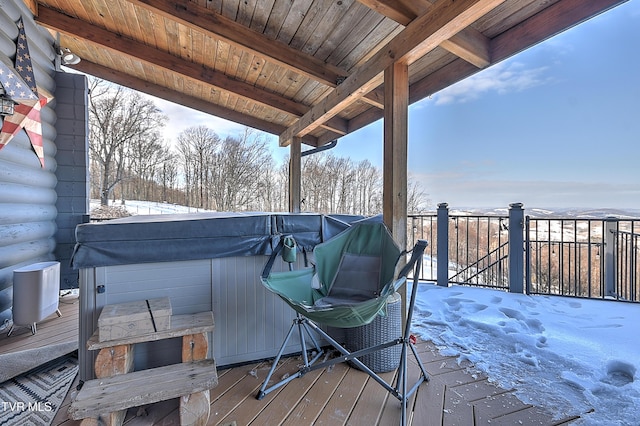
{"x":29,"y":198}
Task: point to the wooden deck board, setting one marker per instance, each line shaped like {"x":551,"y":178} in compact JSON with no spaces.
{"x":455,"y":394}
{"x":478,"y":390}
{"x":428,"y":409}
{"x":392,"y":412}
{"x":51,"y":330}
{"x":288,"y":399}
{"x":55,"y":337}
{"x":244,"y":388}
{"x":340,"y":404}
{"x":499,"y":405}
{"x":370,"y":405}
{"x":308,"y":410}
{"x":340,"y":395}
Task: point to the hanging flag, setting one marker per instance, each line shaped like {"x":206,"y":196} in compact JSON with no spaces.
{"x":20,"y":84}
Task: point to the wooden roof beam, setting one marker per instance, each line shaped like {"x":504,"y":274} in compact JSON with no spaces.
{"x":403,"y":12}
{"x":215,"y":25}
{"x":425,"y":33}
{"x":554,"y":19}
{"x":551,"y":21}
{"x":218,"y":26}
{"x":469,"y":44}
{"x":138,"y":51}
{"x":178,"y":97}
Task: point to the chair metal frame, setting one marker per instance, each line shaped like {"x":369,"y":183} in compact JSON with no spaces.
{"x":306,"y":327}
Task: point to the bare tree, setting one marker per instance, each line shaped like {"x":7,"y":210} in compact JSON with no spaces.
{"x":313,"y":183}
{"x":281,"y":192}
{"x":145,"y":156}
{"x":197,"y":148}
{"x":234,"y":174}
{"x":117,"y":117}
{"x":417,"y":201}
{"x":167,"y":175}
{"x":226,"y":175}
{"x":239,"y":165}
{"x":368,"y":189}
{"x":332,"y":184}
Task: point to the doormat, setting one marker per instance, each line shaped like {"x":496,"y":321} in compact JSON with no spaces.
{"x":35,"y":397}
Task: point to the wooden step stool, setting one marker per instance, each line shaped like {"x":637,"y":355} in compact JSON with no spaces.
{"x":117,"y":388}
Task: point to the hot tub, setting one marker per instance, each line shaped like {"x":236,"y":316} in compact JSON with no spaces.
{"x":202,"y":262}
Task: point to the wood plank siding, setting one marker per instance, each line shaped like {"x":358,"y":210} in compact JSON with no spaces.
{"x":298,"y":68}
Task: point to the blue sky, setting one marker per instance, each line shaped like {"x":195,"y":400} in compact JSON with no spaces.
{"x":555,"y":126}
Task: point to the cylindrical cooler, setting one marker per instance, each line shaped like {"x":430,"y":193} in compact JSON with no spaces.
{"x":36,"y":292}
{"x":381,"y":330}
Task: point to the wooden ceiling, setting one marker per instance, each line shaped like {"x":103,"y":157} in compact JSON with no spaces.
{"x":306,"y":68}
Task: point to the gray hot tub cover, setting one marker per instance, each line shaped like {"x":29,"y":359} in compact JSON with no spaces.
{"x":163,"y":238}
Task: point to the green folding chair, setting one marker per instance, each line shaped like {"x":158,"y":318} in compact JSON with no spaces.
{"x":354,"y":277}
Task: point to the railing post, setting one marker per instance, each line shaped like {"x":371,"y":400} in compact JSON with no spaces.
{"x":443,"y":245}
{"x":516,"y":248}
{"x":610,"y":235}
{"x":527,"y":255}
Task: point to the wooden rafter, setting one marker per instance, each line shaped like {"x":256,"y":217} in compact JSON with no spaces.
{"x":468,"y":44}
{"x":425,"y":33}
{"x":471,"y":46}
{"x":326,"y":111}
{"x":178,"y":97}
{"x":541,"y":26}
{"x":139,"y":51}
{"x":218,"y":26}
{"x":403,"y":12}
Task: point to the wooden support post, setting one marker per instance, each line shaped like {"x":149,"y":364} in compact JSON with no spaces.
{"x":195,"y":408}
{"x":396,"y":110}
{"x":195,"y":347}
{"x":295,"y":175}
{"x":114,"y":361}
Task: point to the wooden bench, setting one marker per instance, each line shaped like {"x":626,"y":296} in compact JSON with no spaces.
{"x":110,"y":394}
{"x":118,"y":388}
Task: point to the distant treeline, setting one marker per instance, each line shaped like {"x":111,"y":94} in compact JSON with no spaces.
{"x":131,"y":161}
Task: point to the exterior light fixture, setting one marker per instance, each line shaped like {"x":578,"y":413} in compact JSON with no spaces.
{"x":6,"y":104}
{"x":68,"y":58}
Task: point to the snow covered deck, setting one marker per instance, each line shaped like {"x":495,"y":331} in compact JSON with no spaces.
{"x":456,"y":394}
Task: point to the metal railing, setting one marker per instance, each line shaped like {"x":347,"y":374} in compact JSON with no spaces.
{"x":565,"y":257}
{"x":477,"y":248}
{"x":627,"y":278}
{"x":593,"y":258}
